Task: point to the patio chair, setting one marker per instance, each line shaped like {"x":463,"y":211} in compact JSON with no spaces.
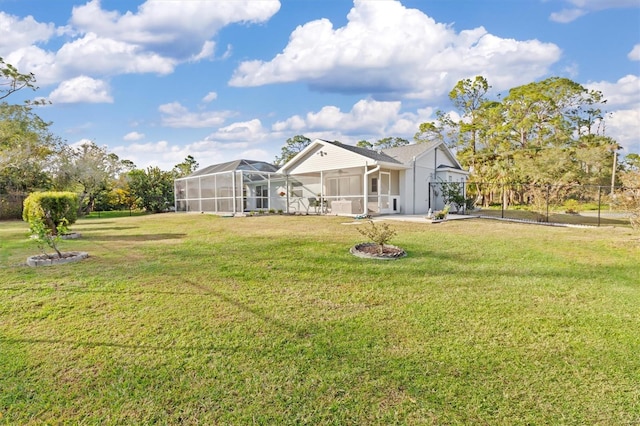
{"x":313,"y":202}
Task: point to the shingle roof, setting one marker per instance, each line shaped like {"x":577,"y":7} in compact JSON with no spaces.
{"x":259,"y":166}
{"x":370,"y":153}
{"x":404,"y":154}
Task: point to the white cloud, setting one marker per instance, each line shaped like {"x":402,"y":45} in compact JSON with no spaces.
{"x":38,"y":61}
{"x":240,"y":140}
{"x":98,"y":55}
{"x":155,"y":38}
{"x":81,"y":89}
{"x":178,"y":29}
{"x":387,"y":48}
{"x":209,"y":97}
{"x":623,"y":105}
{"x":567,"y":15}
{"x":16,"y":33}
{"x":623,"y":93}
{"x":366,"y":117}
{"x":176,"y":115}
{"x":634,"y":55}
{"x":582,"y":7}
{"x":133,"y":136}
{"x":624,"y":127}
{"x":240,"y":132}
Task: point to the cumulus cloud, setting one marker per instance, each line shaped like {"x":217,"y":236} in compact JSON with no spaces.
{"x":155,"y":38}
{"x":366,"y":117}
{"x":209,"y":97}
{"x":623,"y":105}
{"x":176,"y":115}
{"x":133,"y":136}
{"x":216,"y":148}
{"x":624,"y":126}
{"x":243,"y":132}
{"x":623,"y":93}
{"x":180,"y":30}
{"x":634,"y":55}
{"x":16,"y":33}
{"x":99,"y":55}
{"x":582,"y":7}
{"x":386,"y":48}
{"x":567,"y":15}
{"x":81,"y":89}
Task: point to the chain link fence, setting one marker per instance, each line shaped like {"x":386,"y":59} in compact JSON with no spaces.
{"x":563,"y":204}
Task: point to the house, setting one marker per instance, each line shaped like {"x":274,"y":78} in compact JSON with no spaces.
{"x":347,"y":179}
{"x":327,"y":178}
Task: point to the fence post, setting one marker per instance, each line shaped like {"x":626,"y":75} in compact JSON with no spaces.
{"x":548,"y":188}
{"x":599,"y":202}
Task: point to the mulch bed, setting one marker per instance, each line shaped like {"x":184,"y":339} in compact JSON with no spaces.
{"x":372,"y":251}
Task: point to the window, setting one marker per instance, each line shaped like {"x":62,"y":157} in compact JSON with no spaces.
{"x":345,"y":186}
{"x":374,"y":185}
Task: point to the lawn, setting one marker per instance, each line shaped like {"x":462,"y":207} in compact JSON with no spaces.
{"x":197,"y":319}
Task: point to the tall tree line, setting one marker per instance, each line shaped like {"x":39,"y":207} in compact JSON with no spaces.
{"x":32,"y":158}
{"x":546,"y":133}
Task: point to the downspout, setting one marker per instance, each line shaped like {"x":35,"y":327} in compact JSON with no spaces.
{"x":365,"y":209}
{"x":435,"y":173}
{"x":414,"y":185}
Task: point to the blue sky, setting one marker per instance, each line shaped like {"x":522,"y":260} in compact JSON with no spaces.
{"x":156,"y":81}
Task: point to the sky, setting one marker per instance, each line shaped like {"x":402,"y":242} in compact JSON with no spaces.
{"x":155,"y":81}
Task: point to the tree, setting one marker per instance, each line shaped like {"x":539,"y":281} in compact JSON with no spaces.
{"x":188,"y":166}
{"x":469,"y":96}
{"x":386,"y":143}
{"x":292,"y":147}
{"x":631,"y":162}
{"x":27,"y":149}
{"x":153,"y":188}
{"x":364,"y":144}
{"x":629,"y":196}
{"x":11,"y":80}
{"x":89,"y":170}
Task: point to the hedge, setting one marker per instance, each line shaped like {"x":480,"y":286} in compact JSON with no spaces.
{"x":51,"y":207}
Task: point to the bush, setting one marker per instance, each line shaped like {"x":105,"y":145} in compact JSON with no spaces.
{"x":571,"y":206}
{"x":48,"y":214}
{"x":380,"y":235}
{"x":51,"y":208}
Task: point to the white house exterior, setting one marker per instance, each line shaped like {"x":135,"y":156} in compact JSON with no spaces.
{"x":345,"y":179}
{"x":327,"y":178}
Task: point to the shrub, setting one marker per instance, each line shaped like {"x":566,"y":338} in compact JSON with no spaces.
{"x":571,"y":207}
{"x":380,"y":235}
{"x":48,"y":214}
{"x":52,"y":208}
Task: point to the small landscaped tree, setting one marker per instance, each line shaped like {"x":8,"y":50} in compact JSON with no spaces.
{"x":48,"y":215}
{"x":379,"y":234}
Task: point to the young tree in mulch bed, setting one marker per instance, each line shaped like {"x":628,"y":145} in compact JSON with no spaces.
{"x":379,"y":248}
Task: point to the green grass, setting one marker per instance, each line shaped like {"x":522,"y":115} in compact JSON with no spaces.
{"x":196,"y":319}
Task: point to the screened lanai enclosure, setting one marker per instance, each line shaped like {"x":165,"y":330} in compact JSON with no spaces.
{"x":234,"y":187}
{"x":245,"y":186}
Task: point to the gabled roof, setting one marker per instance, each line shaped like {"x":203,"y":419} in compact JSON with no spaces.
{"x":250,"y":165}
{"x":366,"y":152}
{"x":406,"y":153}
{"x":363,"y":154}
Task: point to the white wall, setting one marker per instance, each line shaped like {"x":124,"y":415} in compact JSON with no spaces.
{"x":332,"y":157}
